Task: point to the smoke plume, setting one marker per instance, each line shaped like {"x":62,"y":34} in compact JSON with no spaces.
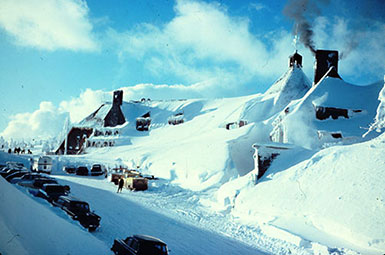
{"x":302,"y":11}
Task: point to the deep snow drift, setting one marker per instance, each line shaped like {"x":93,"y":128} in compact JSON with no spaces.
{"x":335,"y":197}
{"x":29,"y":227}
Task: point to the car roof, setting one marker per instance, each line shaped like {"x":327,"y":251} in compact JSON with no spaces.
{"x":51,"y":185}
{"x":43,"y":178}
{"x":19,"y":172}
{"x":72,"y":199}
{"x":32,"y":173}
{"x":149,"y":239}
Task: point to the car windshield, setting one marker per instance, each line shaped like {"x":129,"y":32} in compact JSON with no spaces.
{"x":81,"y":207}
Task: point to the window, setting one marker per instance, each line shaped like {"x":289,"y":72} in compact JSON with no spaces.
{"x":128,"y":241}
{"x":81,"y":206}
{"x":161,"y":248}
{"x":134,"y":245}
{"x":60,"y":201}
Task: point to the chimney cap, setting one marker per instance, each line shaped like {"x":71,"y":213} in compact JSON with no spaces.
{"x":295,"y":60}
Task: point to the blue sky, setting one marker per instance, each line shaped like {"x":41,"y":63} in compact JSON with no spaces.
{"x":62,"y":57}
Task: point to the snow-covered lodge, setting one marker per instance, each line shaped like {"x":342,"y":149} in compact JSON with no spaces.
{"x":328,"y":112}
{"x":294,"y":112}
{"x":106,"y":115}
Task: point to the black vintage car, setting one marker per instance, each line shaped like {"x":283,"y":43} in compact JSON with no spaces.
{"x":96,"y":169}
{"x":69,"y":169}
{"x":78,"y":210}
{"x":51,"y":191}
{"x":8,"y":171}
{"x":139,"y":245}
{"x":26,"y":177}
{"x":37,"y":183}
{"x":82,"y":170}
{"x":16,"y":174}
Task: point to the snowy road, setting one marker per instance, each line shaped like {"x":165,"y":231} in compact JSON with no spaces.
{"x":146,"y":213}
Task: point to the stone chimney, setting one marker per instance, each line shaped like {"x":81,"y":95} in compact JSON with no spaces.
{"x":324,"y":60}
{"x":115,"y":116}
{"x":118,"y":97}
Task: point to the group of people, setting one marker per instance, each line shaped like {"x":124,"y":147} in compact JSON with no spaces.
{"x":18,"y":150}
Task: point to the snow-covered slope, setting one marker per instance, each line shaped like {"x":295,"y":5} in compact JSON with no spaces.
{"x":201,"y":152}
{"x":28,"y":227}
{"x":195,"y":154}
{"x":335,"y":197}
{"x":291,"y":86}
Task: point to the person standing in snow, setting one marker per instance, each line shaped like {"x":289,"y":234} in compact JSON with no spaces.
{"x":121,"y":183}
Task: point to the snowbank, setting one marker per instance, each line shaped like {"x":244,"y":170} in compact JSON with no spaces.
{"x":336,"y":197}
{"x":31,"y":227}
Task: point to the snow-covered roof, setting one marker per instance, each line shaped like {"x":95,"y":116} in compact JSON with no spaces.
{"x":292,"y":85}
{"x":160,"y":111}
{"x":360,"y":102}
{"x":97,"y":117}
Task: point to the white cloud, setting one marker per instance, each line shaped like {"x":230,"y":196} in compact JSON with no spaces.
{"x":48,"y":120}
{"x":48,"y":24}
{"x":203,"y":43}
{"x":45,"y":122}
{"x":87,"y":102}
{"x":361,"y":47}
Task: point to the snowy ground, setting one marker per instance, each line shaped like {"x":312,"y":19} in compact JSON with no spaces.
{"x":166,"y":211}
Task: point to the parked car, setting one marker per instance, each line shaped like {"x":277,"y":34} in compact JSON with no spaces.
{"x":136,"y":183}
{"x":82,"y":170}
{"x":16,"y":165}
{"x":25,"y":177}
{"x":97,"y":169}
{"x":51,"y":192}
{"x":9,"y":170}
{"x":139,"y":245}
{"x":123,"y":172}
{"x":6,"y":171}
{"x":37,"y":183}
{"x":16,"y":174}
{"x":78,"y":210}
{"x":69,"y":169}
